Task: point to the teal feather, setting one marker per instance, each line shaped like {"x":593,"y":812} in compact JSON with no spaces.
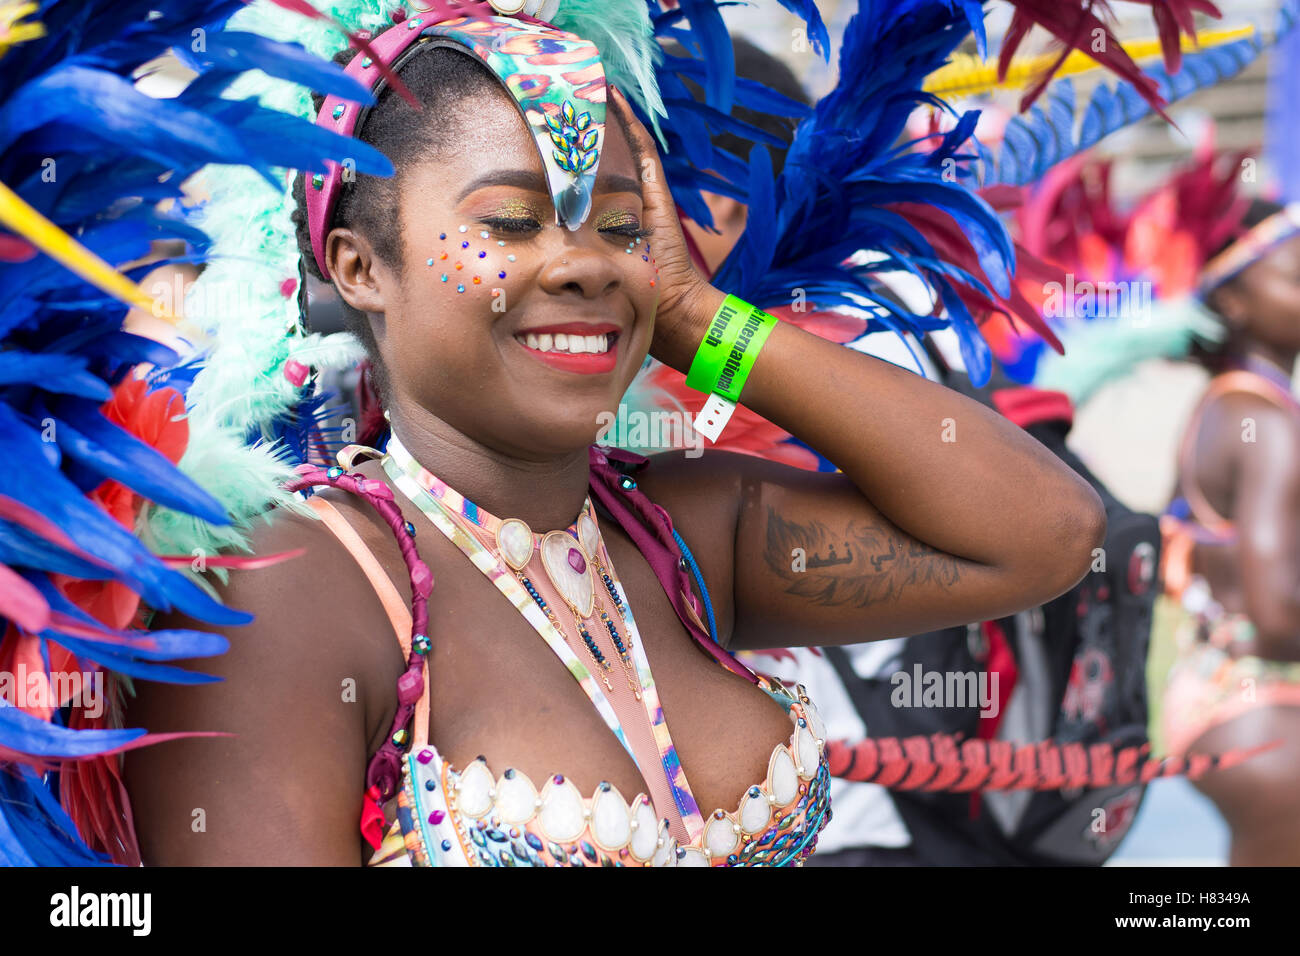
{"x":1101,"y":351}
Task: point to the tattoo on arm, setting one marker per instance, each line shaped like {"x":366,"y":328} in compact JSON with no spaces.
{"x":867,"y":564}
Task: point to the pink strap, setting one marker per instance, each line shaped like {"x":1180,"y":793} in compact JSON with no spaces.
{"x":399,"y":615}
{"x":1238,"y":380}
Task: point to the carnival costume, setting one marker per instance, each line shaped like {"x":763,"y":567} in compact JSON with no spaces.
{"x":111,"y":520}
{"x":1170,"y":240}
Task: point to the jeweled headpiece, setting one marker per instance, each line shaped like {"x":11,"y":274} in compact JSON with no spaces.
{"x":556,"y":79}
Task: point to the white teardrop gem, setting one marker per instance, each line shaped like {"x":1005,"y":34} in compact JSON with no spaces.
{"x":574,"y":586}
{"x":588,"y":536}
{"x":719,"y":837}
{"x":474,"y":792}
{"x":562,"y":811}
{"x":516,"y":798}
{"x":693,"y":856}
{"x":815,"y":722}
{"x":610,"y":824}
{"x":808,"y":757}
{"x":781,"y":780}
{"x":644,"y":836}
{"x":515,"y":542}
{"x":666,"y":854}
{"x":755,"y":811}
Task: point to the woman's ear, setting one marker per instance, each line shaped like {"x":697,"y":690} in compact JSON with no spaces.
{"x":1229,"y":302}
{"x":352,"y":265}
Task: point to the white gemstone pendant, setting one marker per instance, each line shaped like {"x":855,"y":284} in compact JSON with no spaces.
{"x":782,"y":782}
{"x":569,"y":571}
{"x":563,"y":816}
{"x":589,"y":536}
{"x":611,"y":827}
{"x":515,"y":542}
{"x":474,"y":792}
{"x":516,"y":797}
{"x":755,"y":811}
{"x":645,"y":837}
{"x":720,"y":837}
{"x":808,"y":756}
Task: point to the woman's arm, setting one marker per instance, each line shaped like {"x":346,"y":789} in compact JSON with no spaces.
{"x":945,"y":512}
{"x":287,"y":788}
{"x":1267,"y":518}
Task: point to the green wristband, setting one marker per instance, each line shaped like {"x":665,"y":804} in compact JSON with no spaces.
{"x":730,"y":347}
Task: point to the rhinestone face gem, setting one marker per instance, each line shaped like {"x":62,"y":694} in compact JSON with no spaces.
{"x":577,"y":561}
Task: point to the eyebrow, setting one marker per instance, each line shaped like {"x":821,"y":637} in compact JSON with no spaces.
{"x":524,"y":179}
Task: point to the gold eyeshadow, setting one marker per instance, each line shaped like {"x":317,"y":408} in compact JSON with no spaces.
{"x":616,"y":218}
{"x":515,"y":208}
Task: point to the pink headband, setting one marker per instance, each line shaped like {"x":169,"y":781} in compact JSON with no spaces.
{"x":544,"y":69}
{"x":1250,"y":248}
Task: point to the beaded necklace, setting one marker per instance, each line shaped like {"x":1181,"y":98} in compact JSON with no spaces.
{"x":458,"y":519}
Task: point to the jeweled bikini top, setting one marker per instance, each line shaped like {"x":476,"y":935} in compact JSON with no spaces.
{"x":473,"y":817}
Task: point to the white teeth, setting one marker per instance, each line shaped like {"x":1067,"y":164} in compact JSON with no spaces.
{"x":572,"y":344}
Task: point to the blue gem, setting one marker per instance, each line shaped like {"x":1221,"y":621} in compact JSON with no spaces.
{"x":446,"y":845}
{"x":428,"y":262}
{"x":410,"y":529}
{"x":509,"y":774}
{"x":431,"y":785}
{"x":318,"y":181}
{"x":589,"y":851}
{"x":339,"y":111}
{"x":334,"y":473}
{"x":442,"y":235}
{"x":412,"y":24}
{"x":460,"y":288}
{"x":365,"y":62}
{"x":535,"y":842}
{"x":501,"y":275}
{"x":482,"y":255}
{"x":444,"y":277}
{"x":627,"y":483}
{"x":465,"y":245}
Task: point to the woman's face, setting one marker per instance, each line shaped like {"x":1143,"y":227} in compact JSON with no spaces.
{"x":513,"y":330}
{"x":1265,"y":299}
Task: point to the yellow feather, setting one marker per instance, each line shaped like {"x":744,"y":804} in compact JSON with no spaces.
{"x":968,"y":75}
{"x":12,"y":32}
{"x":58,"y":245}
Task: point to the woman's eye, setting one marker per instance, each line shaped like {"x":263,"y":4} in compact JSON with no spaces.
{"x":631,"y":230}
{"x":512,"y":226}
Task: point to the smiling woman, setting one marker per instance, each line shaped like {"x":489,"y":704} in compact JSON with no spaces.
{"x":509,"y":281}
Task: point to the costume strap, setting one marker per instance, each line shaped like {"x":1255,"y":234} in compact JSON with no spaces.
{"x":399,"y":615}
{"x":1238,"y":380}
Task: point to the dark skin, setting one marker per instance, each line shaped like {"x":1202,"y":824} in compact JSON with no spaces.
{"x":942,"y":531}
{"x":1256,"y":485}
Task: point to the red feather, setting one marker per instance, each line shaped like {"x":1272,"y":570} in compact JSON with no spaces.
{"x":1079,"y":25}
